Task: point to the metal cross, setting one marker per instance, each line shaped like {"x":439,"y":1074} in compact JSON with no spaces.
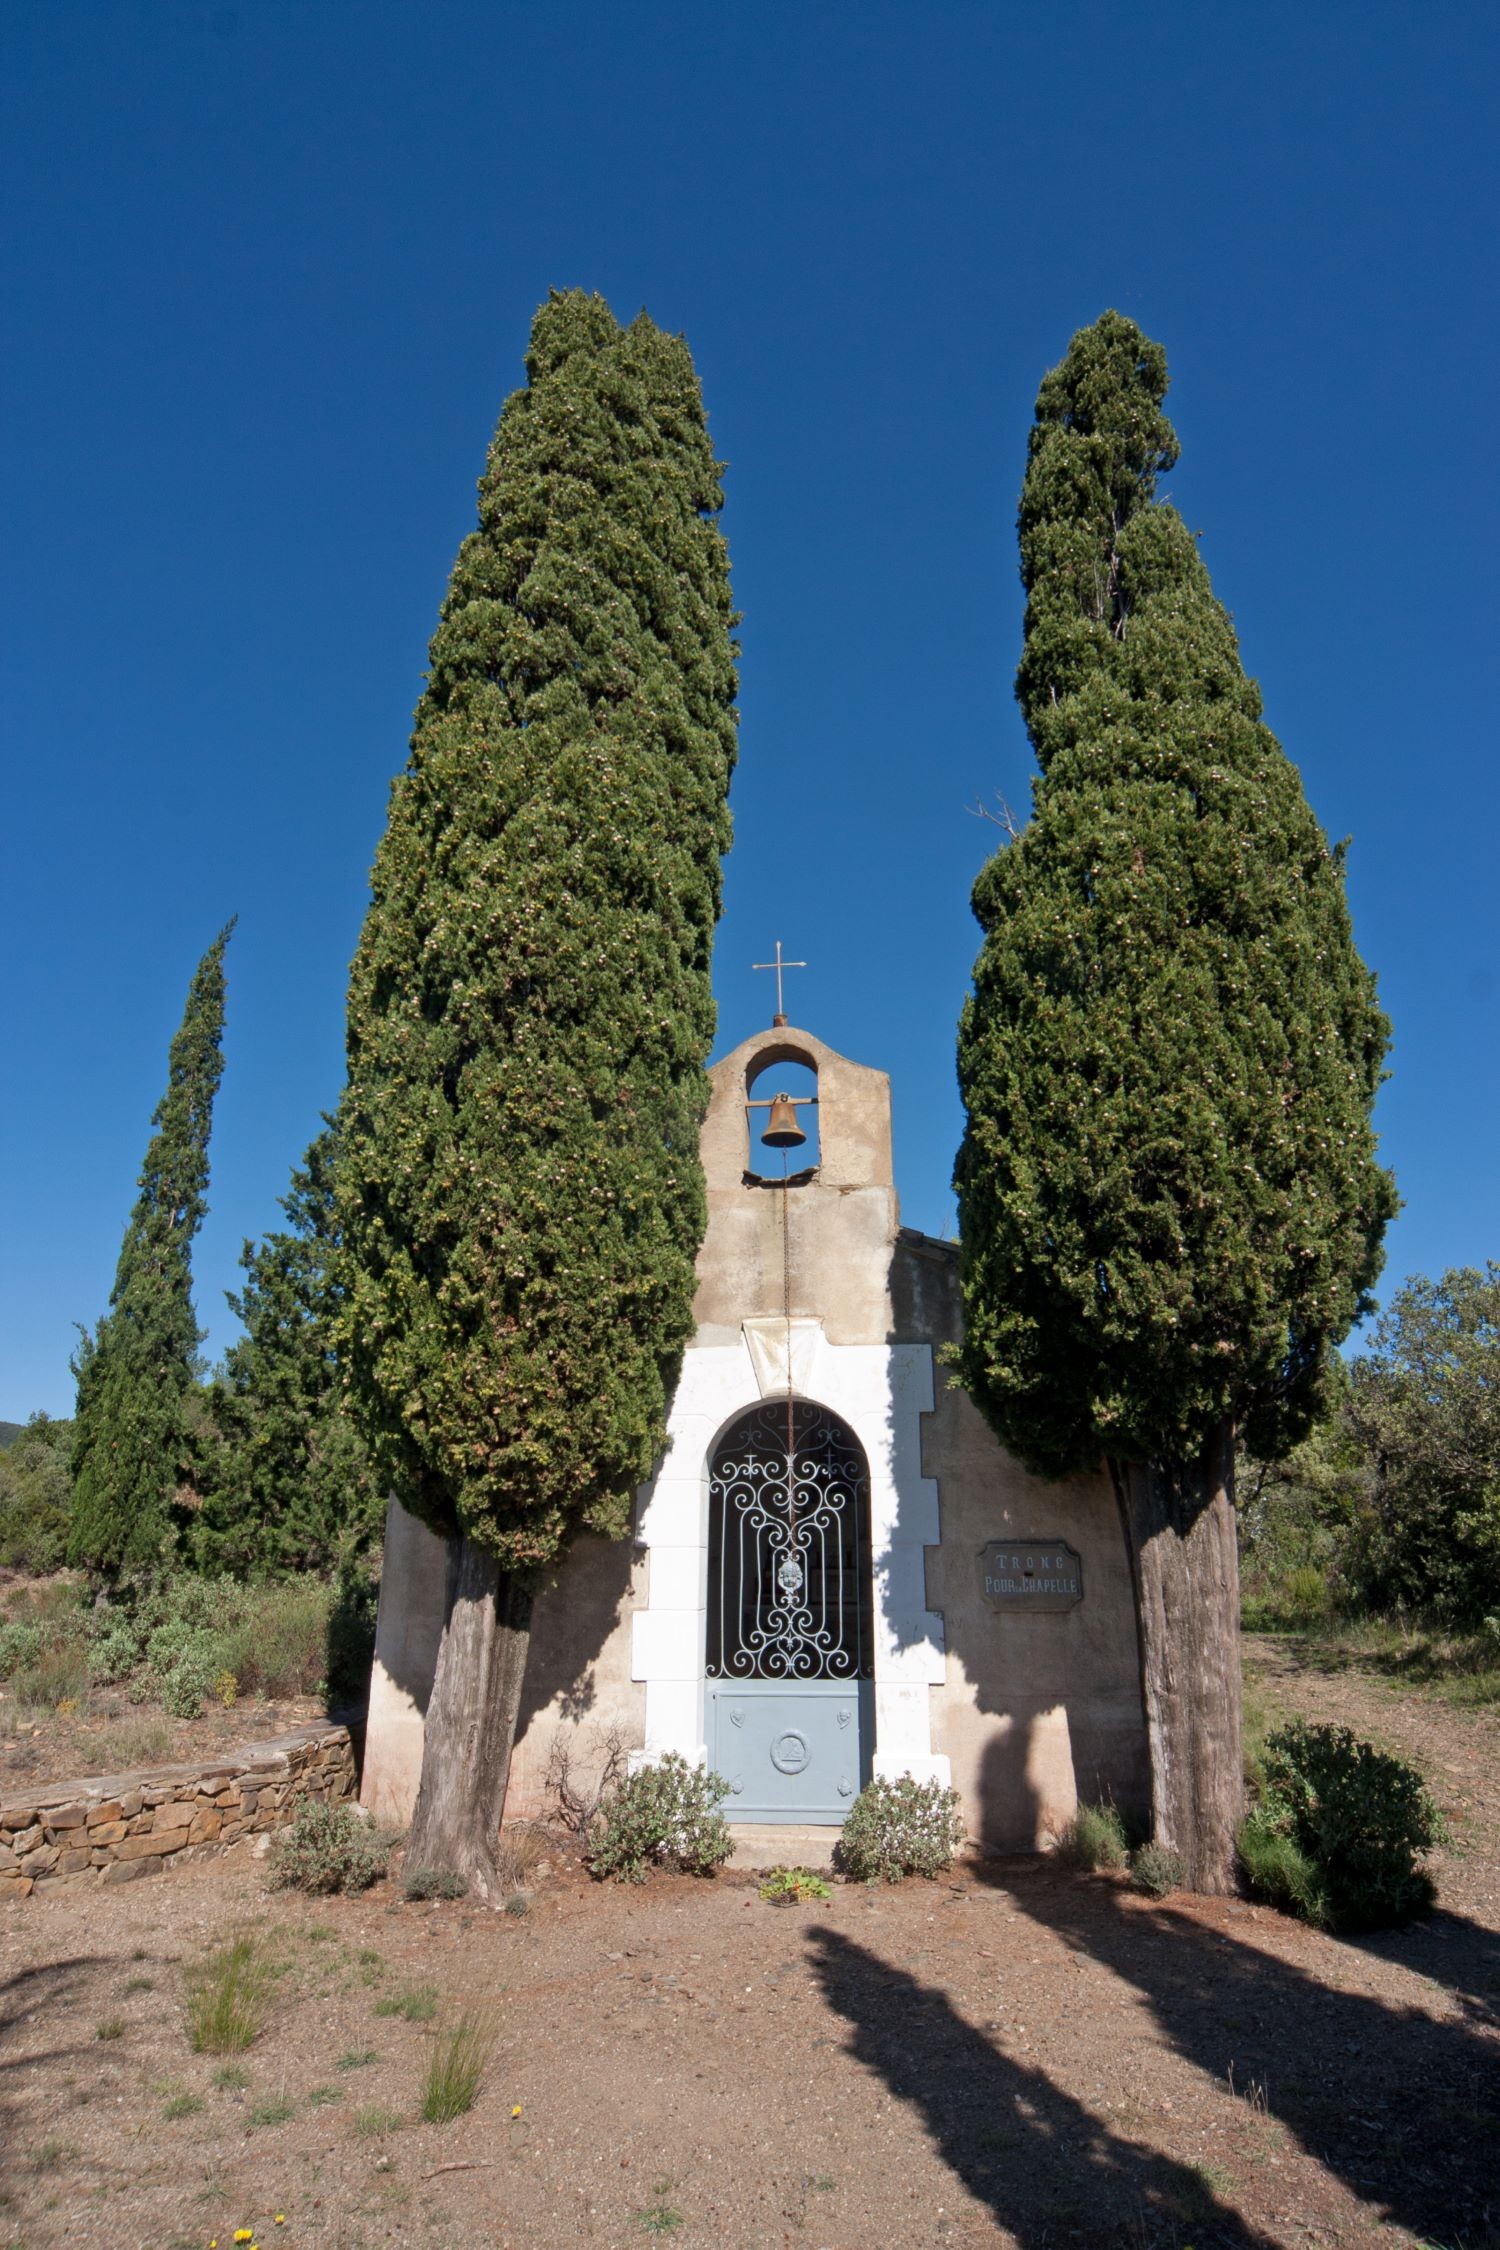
{"x":778,"y":965}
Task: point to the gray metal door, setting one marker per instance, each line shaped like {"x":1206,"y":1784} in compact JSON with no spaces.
{"x":789,"y":1654}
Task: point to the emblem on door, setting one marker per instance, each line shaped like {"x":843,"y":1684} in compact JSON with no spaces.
{"x":789,"y":1752}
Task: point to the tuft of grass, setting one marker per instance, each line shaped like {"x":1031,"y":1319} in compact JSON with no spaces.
{"x":277,"y":2112}
{"x":1156,"y":1870}
{"x":1094,"y":1838}
{"x":231,"y":2079}
{"x":418,"y":2003}
{"x":518,"y":1903}
{"x":138,"y":1984}
{"x":456,"y":2067}
{"x":356,"y":2058}
{"x":51,"y":2156}
{"x":371,"y":2121}
{"x":229,"y":1998}
{"x":110,"y":2027}
{"x":322,"y":2095}
{"x":134,"y":1742}
{"x":1280,"y":1872}
{"x":182,"y":2105}
{"x":660,"y":2217}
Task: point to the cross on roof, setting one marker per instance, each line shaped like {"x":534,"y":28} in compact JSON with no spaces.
{"x":778,"y":965}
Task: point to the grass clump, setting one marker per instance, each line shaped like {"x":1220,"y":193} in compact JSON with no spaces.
{"x":899,"y":1828}
{"x":1156,"y":1871}
{"x":278,"y":2111}
{"x":1339,"y":1830}
{"x":371,"y":2121}
{"x":433,"y":1882}
{"x":417,"y":2003}
{"x":229,"y":1997}
{"x":786,"y":1886}
{"x":356,"y":2058}
{"x":110,"y":2027}
{"x":456,"y":2067}
{"x":327,"y":1848}
{"x":665,"y":1814}
{"x":1093,"y":1839}
{"x":231,"y":2079}
{"x":660,"y":2217}
{"x":182,"y":2105}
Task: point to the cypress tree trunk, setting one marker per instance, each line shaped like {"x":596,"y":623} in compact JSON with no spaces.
{"x":471,"y":1719}
{"x":1184,"y":1558}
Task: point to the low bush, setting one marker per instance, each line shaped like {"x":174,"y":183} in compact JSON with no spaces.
{"x":1094,"y":1838}
{"x":189,"y":1683}
{"x":788,"y":1886}
{"x":1357,"y":1821}
{"x":60,"y":1674}
{"x":898,"y":1828}
{"x":327,"y":1848}
{"x":664,"y":1814}
{"x":1156,"y":1870}
{"x":20,"y":1646}
{"x":433,"y":1882}
{"x":455,"y":2068}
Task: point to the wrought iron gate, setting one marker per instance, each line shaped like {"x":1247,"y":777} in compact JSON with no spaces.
{"x":789,"y":1652}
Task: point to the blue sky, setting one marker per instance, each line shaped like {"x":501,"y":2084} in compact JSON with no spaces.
{"x":268,"y":271}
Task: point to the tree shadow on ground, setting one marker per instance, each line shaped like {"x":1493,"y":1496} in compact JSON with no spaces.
{"x":1405,"y":2110}
{"x":36,"y":1996}
{"x":1042,"y":2163}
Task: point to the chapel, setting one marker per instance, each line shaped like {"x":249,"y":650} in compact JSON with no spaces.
{"x":836,"y":1570}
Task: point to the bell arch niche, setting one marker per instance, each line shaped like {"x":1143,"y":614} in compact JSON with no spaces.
{"x":789,"y":1645}
{"x":781,"y":1099}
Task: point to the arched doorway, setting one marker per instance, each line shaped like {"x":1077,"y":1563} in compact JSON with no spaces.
{"x":789,"y":1654}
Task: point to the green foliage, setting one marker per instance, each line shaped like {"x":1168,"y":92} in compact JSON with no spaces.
{"x":1094,"y":1838}
{"x":286,"y":1482}
{"x":1296,"y":1519}
{"x":530,"y":1011}
{"x":1156,"y":1870}
{"x":1169,"y":1204}
{"x":433,"y":1882}
{"x":417,"y":2003}
{"x":663,"y":1814}
{"x":1357,"y":1821}
{"x":20,"y":1646}
{"x":190,"y":1681}
{"x":456,"y":2067}
{"x":897,"y":1828}
{"x":788,"y":1886}
{"x":35,"y":1495}
{"x":133,"y":1429}
{"x":1424,"y":1408}
{"x":229,"y":1997}
{"x":327,"y":1848}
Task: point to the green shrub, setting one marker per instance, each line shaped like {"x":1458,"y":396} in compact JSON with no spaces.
{"x":455,"y":2068}
{"x":114,"y":1652}
{"x":1278,"y":1871}
{"x":278,"y":1640}
{"x":20,"y":1646}
{"x":433,"y":1882}
{"x":1157,"y":1870}
{"x":1358,"y":1820}
{"x":327,"y":1848}
{"x":1094,"y":1838}
{"x":788,"y":1886}
{"x":666,"y":1813}
{"x":191,"y":1679}
{"x":898,"y":1828}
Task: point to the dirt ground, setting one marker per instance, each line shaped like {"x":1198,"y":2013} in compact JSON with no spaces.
{"x":1019,"y":2056}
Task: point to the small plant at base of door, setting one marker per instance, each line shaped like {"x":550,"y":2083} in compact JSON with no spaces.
{"x":788,"y":1886}
{"x":898,"y":1828}
{"x":662,"y":1815}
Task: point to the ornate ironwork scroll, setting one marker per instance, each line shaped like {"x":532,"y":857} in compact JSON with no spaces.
{"x":789,"y":1549}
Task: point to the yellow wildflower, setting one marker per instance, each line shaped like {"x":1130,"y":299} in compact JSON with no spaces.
{"x":516,"y":2111}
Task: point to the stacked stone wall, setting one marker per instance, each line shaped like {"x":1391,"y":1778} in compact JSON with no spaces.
{"x":114,"y":1828}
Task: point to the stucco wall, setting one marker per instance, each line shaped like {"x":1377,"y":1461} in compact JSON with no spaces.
{"x":1034,"y":1711}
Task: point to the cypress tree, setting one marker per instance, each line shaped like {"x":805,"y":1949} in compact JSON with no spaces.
{"x":1170,"y":1207}
{"x":137,"y":1372}
{"x":288,"y":1484}
{"x":530,"y":1015}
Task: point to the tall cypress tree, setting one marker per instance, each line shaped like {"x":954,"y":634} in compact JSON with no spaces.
{"x":287,"y":1483}
{"x":136,"y":1372}
{"x":1169,"y":1203}
{"x":530,"y":1014}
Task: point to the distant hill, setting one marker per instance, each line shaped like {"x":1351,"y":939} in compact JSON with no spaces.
{"x":8,"y":1432}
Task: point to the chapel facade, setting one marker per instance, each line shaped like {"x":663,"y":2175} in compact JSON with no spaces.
{"x":836,"y":1571}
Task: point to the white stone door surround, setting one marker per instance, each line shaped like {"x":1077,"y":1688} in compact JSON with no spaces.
{"x":881,"y":1391}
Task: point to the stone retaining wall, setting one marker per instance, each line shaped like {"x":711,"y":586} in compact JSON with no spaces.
{"x":114,"y":1827}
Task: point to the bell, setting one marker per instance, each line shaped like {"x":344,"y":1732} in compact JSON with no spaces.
{"x":782,"y":1129}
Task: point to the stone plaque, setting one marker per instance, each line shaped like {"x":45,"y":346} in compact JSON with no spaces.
{"x":1036,"y":1575}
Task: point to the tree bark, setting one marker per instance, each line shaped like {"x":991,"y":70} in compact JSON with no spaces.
{"x":1184,"y":1557}
{"x":471,"y":1720}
